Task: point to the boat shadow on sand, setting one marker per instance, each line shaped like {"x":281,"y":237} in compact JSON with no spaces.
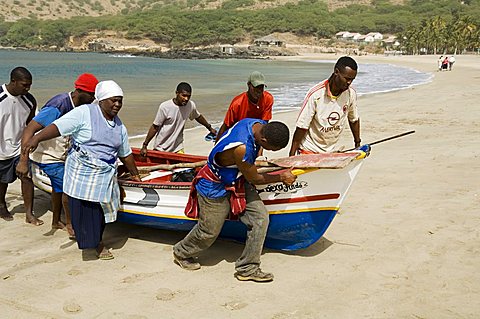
{"x":116,"y":235}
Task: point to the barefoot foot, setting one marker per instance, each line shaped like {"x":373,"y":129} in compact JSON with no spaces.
{"x":5,"y":214}
{"x":34,"y":221}
{"x":70,"y":231}
{"x":58,"y":225}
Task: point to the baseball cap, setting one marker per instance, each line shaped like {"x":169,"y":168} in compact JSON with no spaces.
{"x":256,"y":78}
{"x":86,"y":82}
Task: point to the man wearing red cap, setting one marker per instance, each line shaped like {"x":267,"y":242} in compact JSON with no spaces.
{"x":50,"y":155}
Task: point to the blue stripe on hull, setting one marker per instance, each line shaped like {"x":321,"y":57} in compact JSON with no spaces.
{"x":285,"y":232}
{"x":297,"y":231}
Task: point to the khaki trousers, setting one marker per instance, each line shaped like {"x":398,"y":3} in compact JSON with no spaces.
{"x":212,"y":215}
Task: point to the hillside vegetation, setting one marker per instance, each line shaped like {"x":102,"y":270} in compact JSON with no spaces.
{"x":431,"y":25}
{"x":59,"y":9}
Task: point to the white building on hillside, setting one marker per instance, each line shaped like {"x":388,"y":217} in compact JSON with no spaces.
{"x":366,"y":39}
{"x":347,"y":36}
{"x":354,"y":36}
{"x":377,"y":36}
{"x":269,"y":41}
{"x":342,"y":35}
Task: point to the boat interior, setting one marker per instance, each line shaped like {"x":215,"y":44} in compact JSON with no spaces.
{"x":163,"y":168}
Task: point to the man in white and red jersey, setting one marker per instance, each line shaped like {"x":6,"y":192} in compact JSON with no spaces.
{"x":325,"y":111}
{"x":17,"y":108}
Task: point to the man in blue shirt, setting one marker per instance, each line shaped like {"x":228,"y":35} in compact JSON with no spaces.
{"x":50,"y":155}
{"x":224,"y":186}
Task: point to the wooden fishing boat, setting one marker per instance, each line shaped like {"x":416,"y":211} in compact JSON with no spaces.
{"x":299,"y":213}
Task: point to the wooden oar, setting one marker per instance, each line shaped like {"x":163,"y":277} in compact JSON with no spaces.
{"x":265,"y":167}
{"x":169,"y":167}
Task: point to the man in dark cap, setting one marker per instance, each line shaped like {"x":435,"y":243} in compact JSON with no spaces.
{"x":50,"y":155}
{"x":17,"y":108}
{"x":255,"y":103}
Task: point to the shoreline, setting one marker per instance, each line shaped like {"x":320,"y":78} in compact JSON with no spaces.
{"x":404,"y":244}
{"x":212,"y":53}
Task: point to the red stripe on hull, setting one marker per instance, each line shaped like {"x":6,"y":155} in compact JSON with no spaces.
{"x":300,"y":199}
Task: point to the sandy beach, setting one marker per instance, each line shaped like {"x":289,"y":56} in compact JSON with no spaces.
{"x":404,"y":245}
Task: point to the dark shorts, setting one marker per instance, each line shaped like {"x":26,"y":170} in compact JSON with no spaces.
{"x":7,"y":170}
{"x":55,"y":172}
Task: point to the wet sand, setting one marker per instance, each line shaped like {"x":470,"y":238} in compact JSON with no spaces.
{"x":404,"y":245}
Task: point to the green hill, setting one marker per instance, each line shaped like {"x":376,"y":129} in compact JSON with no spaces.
{"x":60,"y":9}
{"x":427,"y":26}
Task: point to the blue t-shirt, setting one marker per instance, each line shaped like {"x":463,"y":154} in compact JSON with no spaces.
{"x":57,"y":106}
{"x":240,"y":134}
{"x":47,"y":115}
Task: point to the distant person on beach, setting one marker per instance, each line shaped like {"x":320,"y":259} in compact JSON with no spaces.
{"x":50,"y":155}
{"x":98,"y":139}
{"x":17,"y":108}
{"x":255,"y":103}
{"x":219,"y":190}
{"x":170,"y":121}
{"x":451,"y":61}
{"x":325,"y":111}
{"x":439,"y":63}
{"x":445,"y":63}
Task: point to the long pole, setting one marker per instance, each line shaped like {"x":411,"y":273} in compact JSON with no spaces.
{"x":386,"y":139}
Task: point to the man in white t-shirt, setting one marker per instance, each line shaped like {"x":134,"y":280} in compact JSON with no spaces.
{"x":451,"y":61}
{"x":170,"y":121}
{"x":17,"y":108}
{"x":325,"y":111}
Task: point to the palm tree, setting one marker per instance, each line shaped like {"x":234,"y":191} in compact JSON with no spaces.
{"x":464,"y":34}
{"x":437,"y":33}
{"x":425,"y":36}
{"x":411,"y":40}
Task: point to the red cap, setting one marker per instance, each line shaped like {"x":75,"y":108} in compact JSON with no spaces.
{"x":86,"y":82}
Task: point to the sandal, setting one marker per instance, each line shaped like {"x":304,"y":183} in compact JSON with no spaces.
{"x":105,"y":255}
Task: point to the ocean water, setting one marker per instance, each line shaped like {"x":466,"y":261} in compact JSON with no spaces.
{"x":147,"y":82}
